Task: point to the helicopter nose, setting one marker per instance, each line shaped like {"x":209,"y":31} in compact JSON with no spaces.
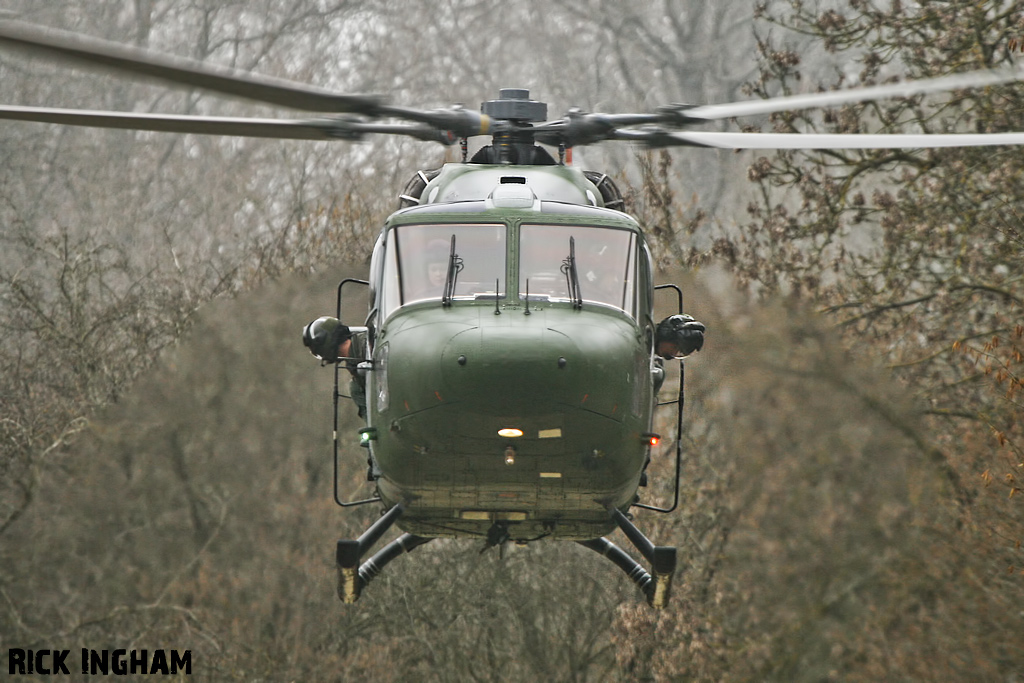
{"x":523,"y":363}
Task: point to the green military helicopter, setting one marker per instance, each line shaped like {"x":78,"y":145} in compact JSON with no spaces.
{"x":509,"y":366}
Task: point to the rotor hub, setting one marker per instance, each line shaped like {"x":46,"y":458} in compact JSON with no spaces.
{"x":514,"y":104}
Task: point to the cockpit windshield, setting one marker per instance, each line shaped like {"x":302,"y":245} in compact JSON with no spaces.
{"x":422,"y":263}
{"x":604,"y":264}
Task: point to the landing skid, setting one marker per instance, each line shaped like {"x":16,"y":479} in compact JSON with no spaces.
{"x":656,"y":585}
{"x":354,"y":574}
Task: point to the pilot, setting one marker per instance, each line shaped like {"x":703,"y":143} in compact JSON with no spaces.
{"x":437,"y":264}
{"x":426,"y":278}
{"x":677,"y":336}
{"x":331,"y":341}
{"x":436,"y":272}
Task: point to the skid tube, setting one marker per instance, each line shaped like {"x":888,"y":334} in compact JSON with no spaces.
{"x":354,"y":575}
{"x":656,"y":585}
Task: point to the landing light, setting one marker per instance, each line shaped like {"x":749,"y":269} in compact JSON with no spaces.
{"x":510,"y":432}
{"x":510,"y":456}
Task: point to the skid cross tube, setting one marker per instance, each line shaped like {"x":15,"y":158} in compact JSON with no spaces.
{"x":350,"y":552}
{"x":636,"y":573}
{"x":661,"y":557}
{"x":405,"y":543}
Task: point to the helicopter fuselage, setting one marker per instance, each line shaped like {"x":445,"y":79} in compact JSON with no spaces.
{"x":505,"y":394}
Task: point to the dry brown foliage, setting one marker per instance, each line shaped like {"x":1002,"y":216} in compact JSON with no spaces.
{"x":818,"y":538}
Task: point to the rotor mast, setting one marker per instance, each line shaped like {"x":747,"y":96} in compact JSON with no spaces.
{"x":514,"y":143}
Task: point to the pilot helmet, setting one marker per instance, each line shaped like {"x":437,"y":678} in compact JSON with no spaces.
{"x":681,"y":334}
{"x":324,"y":335}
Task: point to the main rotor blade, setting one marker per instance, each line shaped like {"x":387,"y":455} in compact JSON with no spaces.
{"x":295,"y":129}
{"x":973,"y":79}
{"x":818,"y":140}
{"x":578,"y":128}
{"x":182,"y":71}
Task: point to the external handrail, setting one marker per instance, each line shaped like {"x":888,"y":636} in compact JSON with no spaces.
{"x":679,"y":401}
{"x":337,"y":395}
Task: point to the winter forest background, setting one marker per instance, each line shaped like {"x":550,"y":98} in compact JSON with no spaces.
{"x":852,"y":504}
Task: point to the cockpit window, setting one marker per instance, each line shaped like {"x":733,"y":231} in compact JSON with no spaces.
{"x":605,"y":264}
{"x":418,"y":262}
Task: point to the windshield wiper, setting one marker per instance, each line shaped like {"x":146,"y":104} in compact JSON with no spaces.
{"x":451,"y":276}
{"x":572,"y":277}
